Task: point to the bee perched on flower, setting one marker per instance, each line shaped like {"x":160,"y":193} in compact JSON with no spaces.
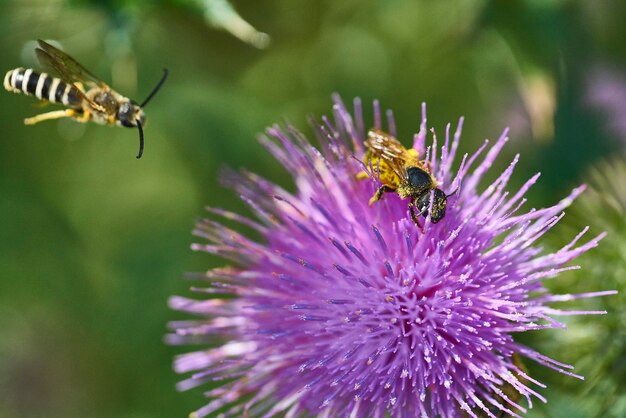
{"x":346,"y":309}
{"x":400,"y":171}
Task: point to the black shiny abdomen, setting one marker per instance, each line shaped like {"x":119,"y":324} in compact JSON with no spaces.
{"x":419,"y":180}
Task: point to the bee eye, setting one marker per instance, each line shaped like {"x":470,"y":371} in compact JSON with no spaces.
{"x":423,"y":203}
{"x":440,"y":201}
{"x":125,"y":114}
{"x":419,"y":179}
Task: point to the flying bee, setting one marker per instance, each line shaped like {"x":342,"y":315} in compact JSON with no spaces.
{"x":98,"y":103}
{"x":400,"y":171}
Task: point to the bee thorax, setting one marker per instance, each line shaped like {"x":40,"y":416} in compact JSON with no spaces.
{"x":104,"y":98}
{"x":405,"y":191}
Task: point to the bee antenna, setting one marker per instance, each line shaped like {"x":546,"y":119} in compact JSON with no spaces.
{"x":156,"y":89}
{"x":453,"y":192}
{"x":140,"y":139}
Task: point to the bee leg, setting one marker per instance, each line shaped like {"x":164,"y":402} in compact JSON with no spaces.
{"x":415,"y":215}
{"x":57,"y":114}
{"x":379,"y":193}
{"x":41,"y":104}
{"x":83,"y":117}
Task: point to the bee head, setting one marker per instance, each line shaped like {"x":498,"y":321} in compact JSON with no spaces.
{"x":440,"y":201}
{"x":130,"y":113}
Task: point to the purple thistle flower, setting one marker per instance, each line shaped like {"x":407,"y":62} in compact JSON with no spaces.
{"x":346,"y":309}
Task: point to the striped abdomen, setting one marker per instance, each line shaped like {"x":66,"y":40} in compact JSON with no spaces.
{"x":42,"y":86}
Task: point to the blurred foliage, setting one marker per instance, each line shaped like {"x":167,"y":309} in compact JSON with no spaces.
{"x":598,"y":345}
{"x":94,"y":241}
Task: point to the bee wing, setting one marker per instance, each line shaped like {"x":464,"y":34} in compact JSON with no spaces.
{"x":67,"y":67}
{"x":398,"y":167}
{"x":384,"y":146}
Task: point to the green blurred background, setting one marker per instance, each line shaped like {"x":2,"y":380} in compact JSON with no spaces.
{"x":94,"y":241}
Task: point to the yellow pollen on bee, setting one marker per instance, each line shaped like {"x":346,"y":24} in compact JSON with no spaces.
{"x":362,"y":175}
